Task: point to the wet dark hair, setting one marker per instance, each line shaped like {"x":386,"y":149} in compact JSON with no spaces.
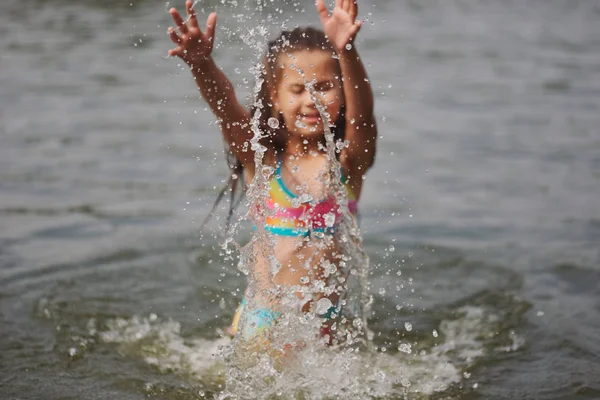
{"x":301,"y":38}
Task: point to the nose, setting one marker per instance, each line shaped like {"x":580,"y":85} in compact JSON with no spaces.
{"x":308,"y":99}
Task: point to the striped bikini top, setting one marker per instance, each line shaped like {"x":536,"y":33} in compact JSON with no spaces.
{"x":291,"y":216}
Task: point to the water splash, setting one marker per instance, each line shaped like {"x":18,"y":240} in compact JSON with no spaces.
{"x":293,"y":359}
{"x":433,"y":366}
{"x":294,"y":332}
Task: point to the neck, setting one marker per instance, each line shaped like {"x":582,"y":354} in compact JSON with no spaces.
{"x":300,"y":146}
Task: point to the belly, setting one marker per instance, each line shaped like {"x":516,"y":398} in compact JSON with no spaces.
{"x":302,"y":261}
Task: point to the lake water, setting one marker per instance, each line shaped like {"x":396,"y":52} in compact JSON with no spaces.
{"x":481,"y":215}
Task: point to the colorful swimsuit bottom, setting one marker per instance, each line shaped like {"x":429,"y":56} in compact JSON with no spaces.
{"x":260,"y":319}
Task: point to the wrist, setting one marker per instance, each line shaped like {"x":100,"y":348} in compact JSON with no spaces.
{"x":200,"y":65}
{"x":348,"y":55}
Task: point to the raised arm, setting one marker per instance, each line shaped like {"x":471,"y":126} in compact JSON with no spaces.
{"x":341,"y":28}
{"x":195,"y":48}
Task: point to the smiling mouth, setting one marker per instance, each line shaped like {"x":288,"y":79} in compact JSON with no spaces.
{"x":311,"y":119}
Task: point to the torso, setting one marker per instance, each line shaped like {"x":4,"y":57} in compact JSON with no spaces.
{"x":300,"y":256}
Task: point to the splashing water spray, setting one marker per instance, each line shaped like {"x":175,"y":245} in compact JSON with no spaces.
{"x":296,"y":363}
{"x":300,"y":362}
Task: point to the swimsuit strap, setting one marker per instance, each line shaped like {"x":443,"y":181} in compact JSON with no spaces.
{"x":279,"y":179}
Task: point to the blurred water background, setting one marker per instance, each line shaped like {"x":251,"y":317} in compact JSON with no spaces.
{"x":481,"y":215}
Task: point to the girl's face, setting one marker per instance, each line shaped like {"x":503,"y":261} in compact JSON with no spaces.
{"x":292,"y":97}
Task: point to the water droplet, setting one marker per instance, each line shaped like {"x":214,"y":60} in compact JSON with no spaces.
{"x":304,"y":280}
{"x":267,"y":171}
{"x":273,"y":123}
{"x":382,"y":291}
{"x":323,"y":305}
{"x":408,"y":326}
{"x":258,"y":147}
{"x":299,"y":124}
{"x":435,"y":333}
{"x":329,"y":219}
{"x":391,"y":248}
{"x":328,"y":269}
{"x":348,"y":46}
{"x":306,"y":198}
{"x":405,"y":348}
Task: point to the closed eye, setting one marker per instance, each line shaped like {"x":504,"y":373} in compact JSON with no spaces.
{"x":323,"y":86}
{"x":296,"y":88}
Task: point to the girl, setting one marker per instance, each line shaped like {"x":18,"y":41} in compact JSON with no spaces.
{"x":309,"y":75}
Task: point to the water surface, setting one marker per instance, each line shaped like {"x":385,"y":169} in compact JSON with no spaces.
{"x":484,"y":197}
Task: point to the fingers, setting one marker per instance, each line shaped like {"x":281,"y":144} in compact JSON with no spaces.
{"x":353,"y":9}
{"x":348,"y":6}
{"x":176,"y":52}
{"x":211,"y":23}
{"x":345,"y":5}
{"x":338,"y":3}
{"x":356,"y":28}
{"x":191,"y":13}
{"x":174,"y":36}
{"x":322,"y":10}
{"x":178,"y":21}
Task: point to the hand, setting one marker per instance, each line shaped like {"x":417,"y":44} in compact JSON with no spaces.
{"x":341,"y":27}
{"x":193,"y":46}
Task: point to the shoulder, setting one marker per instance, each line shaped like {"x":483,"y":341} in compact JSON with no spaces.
{"x":354,"y":174}
{"x":269,"y":159}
